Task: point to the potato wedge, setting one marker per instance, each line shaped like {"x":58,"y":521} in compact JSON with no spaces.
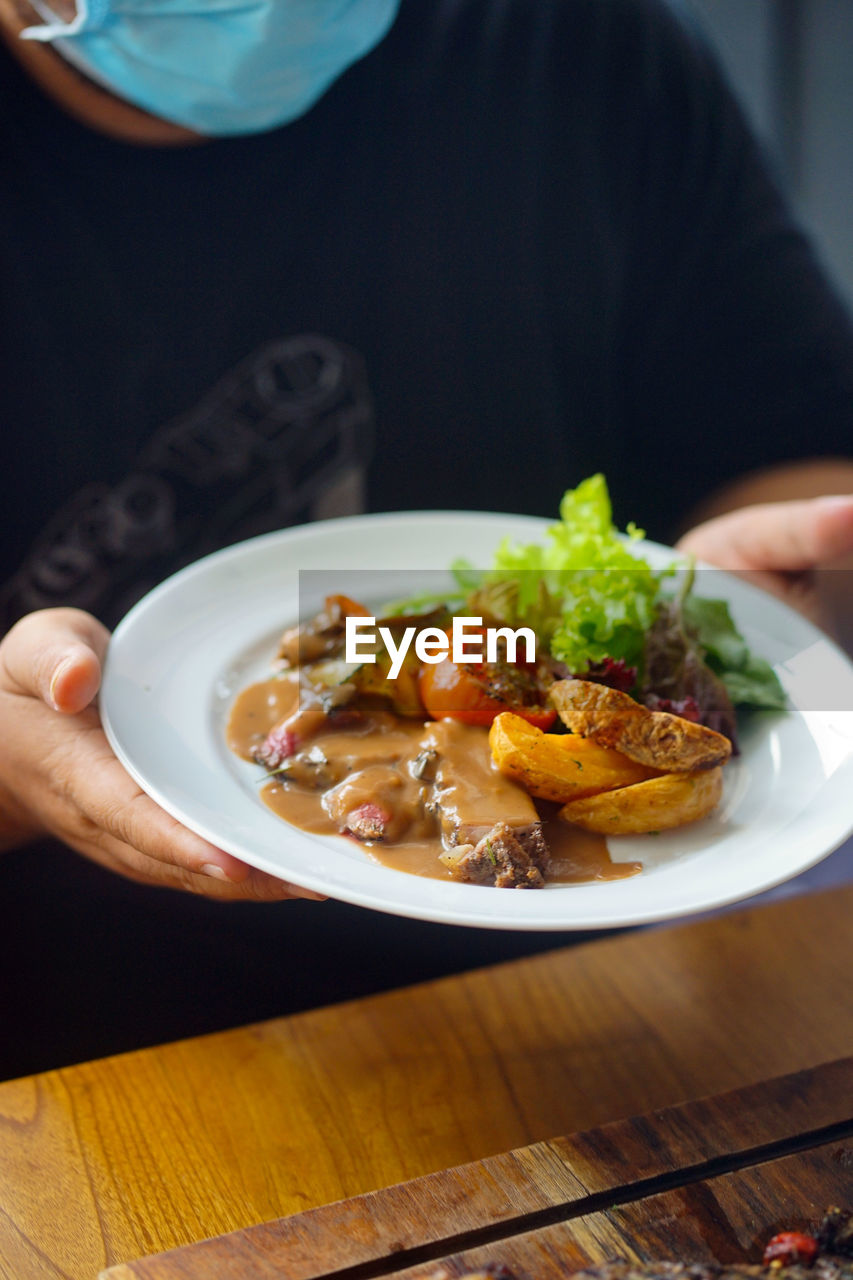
{"x":657,"y":804}
{"x":558,"y":766}
{"x":613,"y":719}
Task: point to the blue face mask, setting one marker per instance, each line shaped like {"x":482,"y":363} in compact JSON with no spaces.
{"x":218,"y":66}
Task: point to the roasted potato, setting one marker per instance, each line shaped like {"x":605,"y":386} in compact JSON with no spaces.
{"x":655,"y":738}
{"x":558,"y":766}
{"x":670,"y":800}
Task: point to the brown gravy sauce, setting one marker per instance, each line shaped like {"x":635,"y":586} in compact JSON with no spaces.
{"x":360,"y":752}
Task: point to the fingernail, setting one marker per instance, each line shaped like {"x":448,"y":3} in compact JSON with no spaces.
{"x":63,"y":667}
{"x":837,"y":501}
{"x":218,"y":873}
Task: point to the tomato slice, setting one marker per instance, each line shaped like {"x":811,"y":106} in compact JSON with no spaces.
{"x":456,"y":690}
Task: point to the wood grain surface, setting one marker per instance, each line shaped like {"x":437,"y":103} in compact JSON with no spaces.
{"x":509,"y":1195}
{"x":725,"y":1219}
{"x":128,"y":1156}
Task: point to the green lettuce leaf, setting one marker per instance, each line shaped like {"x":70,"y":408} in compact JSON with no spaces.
{"x":583,"y":590}
{"x":749,"y":680}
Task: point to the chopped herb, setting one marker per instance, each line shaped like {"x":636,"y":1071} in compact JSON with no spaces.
{"x":275,"y":773}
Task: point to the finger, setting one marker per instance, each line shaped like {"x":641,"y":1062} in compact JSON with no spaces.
{"x":257,"y":887}
{"x":120,"y":816}
{"x":79,"y":791}
{"x":777,"y":536}
{"x":55,"y":655}
{"x":795,"y":589}
{"x":90,"y":802}
{"x":99,"y":810}
{"x":133,"y":865}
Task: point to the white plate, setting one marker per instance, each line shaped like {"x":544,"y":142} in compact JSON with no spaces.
{"x":179,"y":657}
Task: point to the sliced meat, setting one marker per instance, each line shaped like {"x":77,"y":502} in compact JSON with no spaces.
{"x":469,"y":795}
{"x":368,"y":822}
{"x":656,"y":738}
{"x":499,"y":859}
{"x":277,"y":746}
{"x":305,"y":644}
{"x":322,"y":636}
{"x":533,"y":842}
{"x":315,"y":710}
{"x":379,"y":802}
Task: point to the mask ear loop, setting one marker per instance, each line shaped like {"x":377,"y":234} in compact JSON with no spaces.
{"x":90,"y":13}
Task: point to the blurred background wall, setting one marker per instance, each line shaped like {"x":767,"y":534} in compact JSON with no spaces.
{"x":791,"y":62}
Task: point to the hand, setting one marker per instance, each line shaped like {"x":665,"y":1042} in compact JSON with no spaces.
{"x":58,"y":775}
{"x":781,"y":546}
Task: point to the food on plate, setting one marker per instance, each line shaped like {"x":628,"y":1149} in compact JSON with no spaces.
{"x":447,"y":747}
{"x":791,"y":1255}
{"x":658,"y":739}
{"x":502,"y":857}
{"x":658,"y":804}
{"x":476,"y":693}
{"x":559,"y":766}
{"x":420,"y":795}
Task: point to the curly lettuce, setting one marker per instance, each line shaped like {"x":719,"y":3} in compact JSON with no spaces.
{"x":586,"y":594}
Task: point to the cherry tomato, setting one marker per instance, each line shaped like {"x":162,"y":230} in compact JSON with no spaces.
{"x":459,"y":691}
{"x":790,"y":1247}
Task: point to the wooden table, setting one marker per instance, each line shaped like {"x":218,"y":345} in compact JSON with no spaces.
{"x":114,"y":1159}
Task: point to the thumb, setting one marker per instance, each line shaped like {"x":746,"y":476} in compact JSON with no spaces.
{"x":776,"y":536}
{"x":55,"y":655}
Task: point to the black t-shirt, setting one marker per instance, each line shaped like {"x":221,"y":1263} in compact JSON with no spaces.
{"x":518,"y":243}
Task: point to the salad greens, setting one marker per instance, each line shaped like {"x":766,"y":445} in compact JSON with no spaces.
{"x":750,"y":680}
{"x":591,"y":598}
{"x":585,"y":594}
{"x":602,"y":612}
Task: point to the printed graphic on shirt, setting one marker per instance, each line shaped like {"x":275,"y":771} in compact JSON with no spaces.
{"x":284,"y":438}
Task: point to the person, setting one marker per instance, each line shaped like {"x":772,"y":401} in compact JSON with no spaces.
{"x":274,"y":262}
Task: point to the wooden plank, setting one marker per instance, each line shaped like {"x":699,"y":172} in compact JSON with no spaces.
{"x":151,"y":1150}
{"x":725,"y":1219}
{"x":560,"y":1179}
